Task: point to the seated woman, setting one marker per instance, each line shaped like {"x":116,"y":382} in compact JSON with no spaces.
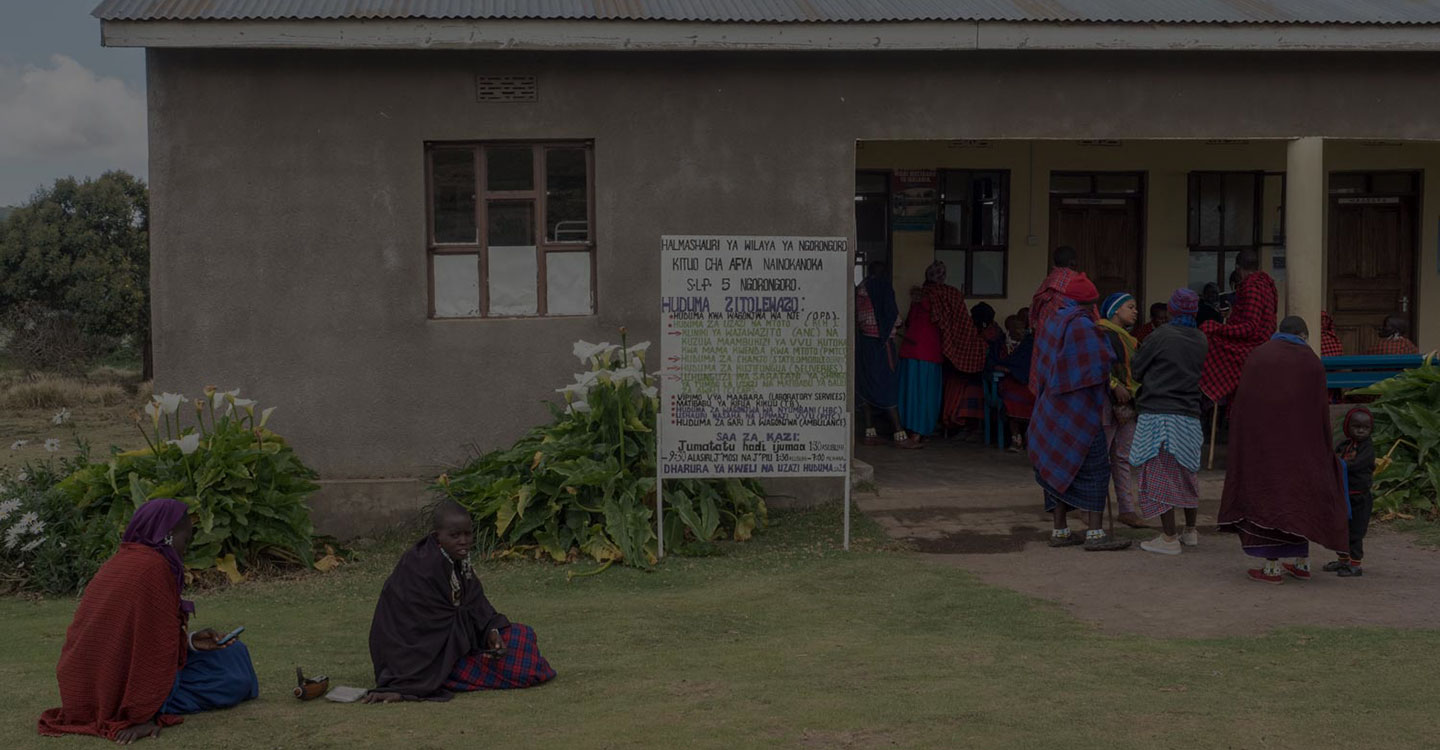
{"x":128,"y":667}
{"x":434,"y":631}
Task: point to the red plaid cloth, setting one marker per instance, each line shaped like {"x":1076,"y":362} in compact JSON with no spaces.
{"x":865,"y":313}
{"x":1072,"y":366}
{"x":1044,"y":303}
{"x":1250,"y":324}
{"x":1330,"y":345}
{"x":959,"y":340}
{"x":522,"y":665}
{"x":1144,"y":330}
{"x":1394,"y":345}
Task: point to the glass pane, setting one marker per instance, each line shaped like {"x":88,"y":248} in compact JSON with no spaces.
{"x":1395,"y":182}
{"x":989,"y":274}
{"x":457,"y":286}
{"x":453,"y":190}
{"x":870,"y":227}
{"x":1070,"y":183}
{"x":1209,"y":205}
{"x":1343,"y":182}
{"x":1204,"y":269}
{"x":1117,"y":183}
{"x":1239,"y":209}
{"x":567,"y":203}
{"x":513,"y":273}
{"x":1272,"y":231}
{"x":954,"y":261}
{"x":987,"y":186}
{"x":509,"y":168}
{"x":567,"y":284}
{"x":510,"y":223}
{"x":956,"y":185}
{"x":956,"y":228}
{"x":872,"y":182}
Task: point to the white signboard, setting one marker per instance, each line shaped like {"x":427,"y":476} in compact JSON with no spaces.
{"x":754,"y":356}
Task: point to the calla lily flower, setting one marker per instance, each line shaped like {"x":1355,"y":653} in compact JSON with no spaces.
{"x":587,"y":352}
{"x":244,"y":403}
{"x":222,"y":397}
{"x":169,"y":402}
{"x":265,"y":416}
{"x":627,"y":375}
{"x":650,"y":392}
{"x":579,"y":407}
{"x":574,"y":390}
{"x":153,"y":410}
{"x":187,"y":444}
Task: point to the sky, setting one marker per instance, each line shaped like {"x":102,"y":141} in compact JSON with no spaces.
{"x":68,"y":106}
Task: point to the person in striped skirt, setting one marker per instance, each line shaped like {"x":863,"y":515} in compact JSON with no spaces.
{"x":1168,"y":435}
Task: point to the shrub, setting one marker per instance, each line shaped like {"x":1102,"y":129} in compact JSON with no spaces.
{"x":54,"y":392}
{"x":584,"y":485}
{"x":46,"y":543}
{"x":48,"y":340}
{"x":1407,"y":440}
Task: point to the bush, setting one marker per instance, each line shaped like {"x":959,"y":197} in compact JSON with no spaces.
{"x":44,"y":340}
{"x":54,"y":392}
{"x":1407,"y":440}
{"x":46,"y":543}
{"x":584,"y":485}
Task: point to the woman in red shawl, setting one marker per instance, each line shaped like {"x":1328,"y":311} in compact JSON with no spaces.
{"x":962,"y":346}
{"x":1330,"y":345}
{"x":124,"y":671}
{"x":1051,"y":295}
{"x":1284,"y":486}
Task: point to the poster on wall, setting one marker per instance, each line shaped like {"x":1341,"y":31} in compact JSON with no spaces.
{"x":754,"y":356}
{"x":913,"y":200}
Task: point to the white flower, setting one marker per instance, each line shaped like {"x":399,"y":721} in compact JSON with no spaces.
{"x":25,"y":520}
{"x":52,"y":444}
{"x":265,"y":415}
{"x":574,"y":390}
{"x":37,"y":527}
{"x":221,"y":397}
{"x":169,"y":402}
{"x":61,"y":417}
{"x":187,"y":444}
{"x":588,"y":352}
{"x":23,"y":476}
{"x":588,"y":379}
{"x":18,"y":444}
{"x":244,"y":403}
{"x":12,"y":537}
{"x":152,"y":410}
{"x":651,"y":392}
{"x":627,"y":375}
{"x":32,"y":544}
{"x":640,"y":348}
{"x":8,"y":507}
{"x":579,"y":407}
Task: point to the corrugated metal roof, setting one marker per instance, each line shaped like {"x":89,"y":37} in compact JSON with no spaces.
{"x":1315,"y":12}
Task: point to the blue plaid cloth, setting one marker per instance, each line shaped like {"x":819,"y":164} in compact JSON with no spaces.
{"x":1180,"y":436}
{"x":1071,"y":373}
{"x":522,"y":665}
{"x":1090,"y":487}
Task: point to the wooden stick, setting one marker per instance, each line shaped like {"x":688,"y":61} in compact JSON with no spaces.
{"x":1214,"y":428}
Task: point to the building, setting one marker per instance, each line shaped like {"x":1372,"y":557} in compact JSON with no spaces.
{"x":393,"y":218}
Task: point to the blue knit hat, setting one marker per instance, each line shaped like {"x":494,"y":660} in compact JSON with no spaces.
{"x":1113,"y":303}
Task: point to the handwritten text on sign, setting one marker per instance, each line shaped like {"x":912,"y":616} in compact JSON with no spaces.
{"x":754,"y":356}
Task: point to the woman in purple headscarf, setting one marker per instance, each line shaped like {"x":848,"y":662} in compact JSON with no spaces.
{"x":129,"y":667}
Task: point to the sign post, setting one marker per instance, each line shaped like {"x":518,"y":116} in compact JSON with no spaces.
{"x":754,"y":353}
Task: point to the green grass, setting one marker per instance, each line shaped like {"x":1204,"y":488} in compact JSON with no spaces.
{"x":784,"y":642}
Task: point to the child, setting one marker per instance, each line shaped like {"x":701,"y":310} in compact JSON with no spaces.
{"x":1159,"y":316}
{"x":1358,"y":453}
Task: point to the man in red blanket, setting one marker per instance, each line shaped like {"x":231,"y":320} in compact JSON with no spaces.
{"x":1250,"y":324}
{"x":1284,"y":486}
{"x":1051,"y":295}
{"x":1394,"y":338}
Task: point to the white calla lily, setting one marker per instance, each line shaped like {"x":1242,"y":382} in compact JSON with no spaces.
{"x":152,"y":410}
{"x":223,"y":397}
{"x":651,"y":392}
{"x":626,"y":375}
{"x":187,"y":444}
{"x":579,"y":407}
{"x":265,"y":415}
{"x":169,"y":402}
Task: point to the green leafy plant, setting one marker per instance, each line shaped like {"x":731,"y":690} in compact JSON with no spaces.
{"x":1407,"y":439}
{"x":46,"y":544}
{"x":583,"y":486}
{"x":245,"y":484}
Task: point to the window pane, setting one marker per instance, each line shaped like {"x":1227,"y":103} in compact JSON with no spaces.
{"x":956,"y":227}
{"x":513,"y":274}
{"x":872,"y":182}
{"x":567,"y":284}
{"x":1117,"y":183}
{"x":457,"y":286}
{"x":989,"y":274}
{"x":567,"y":205}
{"x":509,"y":168}
{"x":954,"y":261}
{"x":956,"y":185}
{"x":1341,"y":182}
{"x":1204,"y":269}
{"x":1402,"y":183}
{"x":453,"y":190}
{"x":1272,"y":230}
{"x":1239,"y":209}
{"x":510,"y":223}
{"x":1070,"y":183}
{"x":1230,"y":259}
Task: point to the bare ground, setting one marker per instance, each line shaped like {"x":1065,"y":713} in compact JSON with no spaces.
{"x":978,"y":509}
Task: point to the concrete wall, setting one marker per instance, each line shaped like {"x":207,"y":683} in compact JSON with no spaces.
{"x":289,"y":220}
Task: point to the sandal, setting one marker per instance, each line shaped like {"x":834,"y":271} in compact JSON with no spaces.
{"x":1106,"y":544}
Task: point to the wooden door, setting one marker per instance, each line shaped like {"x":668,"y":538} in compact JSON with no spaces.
{"x":1371,"y":265}
{"x":1106,"y":234}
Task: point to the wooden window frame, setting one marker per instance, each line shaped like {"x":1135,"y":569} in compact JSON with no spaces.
{"x":1003,"y":245}
{"x":1257,"y":225}
{"x":537,"y":197}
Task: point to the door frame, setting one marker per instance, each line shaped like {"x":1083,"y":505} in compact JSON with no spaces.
{"x":1142,"y":218}
{"x":1417,"y":229}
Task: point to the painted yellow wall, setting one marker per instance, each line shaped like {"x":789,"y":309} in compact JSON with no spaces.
{"x":1167,"y":165}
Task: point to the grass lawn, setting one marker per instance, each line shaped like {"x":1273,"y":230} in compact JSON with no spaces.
{"x":785,"y":642}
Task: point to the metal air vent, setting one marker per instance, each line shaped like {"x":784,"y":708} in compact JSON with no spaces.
{"x":506,"y":89}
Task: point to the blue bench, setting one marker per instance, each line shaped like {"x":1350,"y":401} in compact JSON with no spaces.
{"x":1363,"y":370}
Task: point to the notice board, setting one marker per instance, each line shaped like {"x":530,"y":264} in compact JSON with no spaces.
{"x":754,"y":356}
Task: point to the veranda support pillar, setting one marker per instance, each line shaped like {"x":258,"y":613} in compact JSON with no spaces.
{"x":1305,"y":232}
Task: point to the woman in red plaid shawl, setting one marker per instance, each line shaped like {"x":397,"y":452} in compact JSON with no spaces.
{"x":1051,"y":294}
{"x":434,"y":631}
{"x":1251,"y":322}
{"x":961,"y":345}
{"x":1330,"y":345}
{"x":1067,"y":438}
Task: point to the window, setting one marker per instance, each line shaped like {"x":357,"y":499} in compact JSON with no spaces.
{"x":1230,"y":212}
{"x":511,"y":230}
{"x":872,"y":220}
{"x":973,"y":232}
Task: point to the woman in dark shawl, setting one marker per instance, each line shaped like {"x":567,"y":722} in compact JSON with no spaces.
{"x":434,"y":631}
{"x":1283,"y":486}
{"x":877,"y":380}
{"x":128,"y":668}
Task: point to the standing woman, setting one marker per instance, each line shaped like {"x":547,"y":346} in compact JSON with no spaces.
{"x":128,"y":667}
{"x":877,"y":318}
{"x":922,"y":380}
{"x":962,"y":347}
{"x":1118,"y":313}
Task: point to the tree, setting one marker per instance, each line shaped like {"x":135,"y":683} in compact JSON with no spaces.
{"x":82,"y":249}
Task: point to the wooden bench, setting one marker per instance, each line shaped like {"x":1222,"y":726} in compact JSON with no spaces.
{"x":1363,"y":370}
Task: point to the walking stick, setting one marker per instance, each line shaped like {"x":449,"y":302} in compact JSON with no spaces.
{"x":1214,"y":428}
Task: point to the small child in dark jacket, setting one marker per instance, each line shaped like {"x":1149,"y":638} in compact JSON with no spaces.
{"x":1358,"y":453}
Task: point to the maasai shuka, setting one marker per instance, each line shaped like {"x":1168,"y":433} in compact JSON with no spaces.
{"x":1250,"y":324}
{"x":1071,"y":368}
{"x":522,"y":665}
{"x":959,"y":341}
{"x":1394,"y":345}
{"x":1330,"y":345}
{"x":123,"y":648}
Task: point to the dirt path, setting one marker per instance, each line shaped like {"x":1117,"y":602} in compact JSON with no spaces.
{"x":991,"y":524}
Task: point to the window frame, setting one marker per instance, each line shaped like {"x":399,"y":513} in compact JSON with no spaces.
{"x":537,"y":197}
{"x":884,"y":197}
{"x":1257,"y":224}
{"x":974,"y":246}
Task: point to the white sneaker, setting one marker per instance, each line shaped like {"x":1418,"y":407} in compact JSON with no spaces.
{"x":1160,"y":546}
{"x":1190,"y":537}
